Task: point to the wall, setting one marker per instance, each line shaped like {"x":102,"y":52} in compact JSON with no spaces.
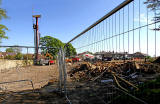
{"x":8,"y":64}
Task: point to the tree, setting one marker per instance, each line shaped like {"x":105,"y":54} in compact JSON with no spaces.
{"x":3,"y":28}
{"x":154,"y":5}
{"x":15,"y":49}
{"x":53,"y":45}
{"x":70,"y":50}
{"x":10,"y":50}
{"x":18,"y":56}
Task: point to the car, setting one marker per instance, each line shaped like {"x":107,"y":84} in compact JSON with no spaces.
{"x":107,"y":58}
{"x":51,"y":62}
{"x":46,"y":62}
{"x":75,"y":59}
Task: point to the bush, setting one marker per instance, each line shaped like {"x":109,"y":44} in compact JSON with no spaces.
{"x":149,"y":58}
{"x":10,"y":57}
{"x":18,"y":56}
{"x":30,"y":57}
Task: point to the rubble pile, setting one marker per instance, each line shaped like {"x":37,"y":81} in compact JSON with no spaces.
{"x":157,"y":60}
{"x":117,"y":80}
{"x":150,"y":68}
{"x":87,"y":71}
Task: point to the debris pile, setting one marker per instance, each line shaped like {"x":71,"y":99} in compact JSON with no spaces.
{"x":87,"y":71}
{"x":123,"y":82}
{"x":157,"y":60}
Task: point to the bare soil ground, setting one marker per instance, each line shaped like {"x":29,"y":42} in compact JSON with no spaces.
{"x":79,"y":92}
{"x":39,"y":75}
{"x":44,"y":80}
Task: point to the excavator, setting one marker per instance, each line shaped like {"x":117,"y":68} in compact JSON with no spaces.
{"x":47,"y":60}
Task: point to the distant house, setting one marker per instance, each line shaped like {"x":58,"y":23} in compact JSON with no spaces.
{"x":105,"y":54}
{"x":30,"y":56}
{"x":117,"y":55}
{"x":121,"y":55}
{"x":139,"y":55}
{"x":85,"y":55}
{"x":0,"y":54}
{"x":40,"y":56}
{"x":81,"y":54}
{"x":4,"y":54}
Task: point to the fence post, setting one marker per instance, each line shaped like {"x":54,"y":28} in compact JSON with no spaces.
{"x":27,"y":55}
{"x":62,"y":70}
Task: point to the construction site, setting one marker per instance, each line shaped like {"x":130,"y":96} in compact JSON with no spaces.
{"x":116,"y":60}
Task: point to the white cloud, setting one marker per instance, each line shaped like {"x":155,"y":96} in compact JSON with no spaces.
{"x":143,"y":19}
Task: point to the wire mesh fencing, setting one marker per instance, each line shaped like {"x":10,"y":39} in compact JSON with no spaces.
{"x":114,"y":57}
{"x":17,"y":53}
{"x":128,"y":30}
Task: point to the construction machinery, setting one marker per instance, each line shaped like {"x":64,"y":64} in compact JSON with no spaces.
{"x":47,"y":59}
{"x":36,"y":37}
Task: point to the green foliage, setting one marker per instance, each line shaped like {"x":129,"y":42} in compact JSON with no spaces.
{"x":148,"y":91}
{"x":149,"y":58}
{"x":3,"y":28}
{"x":2,"y":12}
{"x":51,"y":42}
{"x":10,"y":57}
{"x":9,"y":50}
{"x":154,"y":5}
{"x":14,"y":49}
{"x":70,"y":50}
{"x":3,"y":32}
{"x":18,"y":56}
{"x":54,"y":45}
{"x":30,"y":57}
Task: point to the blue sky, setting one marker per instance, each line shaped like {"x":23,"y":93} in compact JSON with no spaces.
{"x":109,"y":31}
{"x":62,"y":19}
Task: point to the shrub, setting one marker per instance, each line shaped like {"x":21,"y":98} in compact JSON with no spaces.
{"x":18,"y":56}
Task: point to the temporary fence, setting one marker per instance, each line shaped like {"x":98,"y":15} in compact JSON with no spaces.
{"x":125,"y":33}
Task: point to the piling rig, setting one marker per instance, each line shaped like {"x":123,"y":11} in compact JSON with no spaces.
{"x":36,"y":38}
{"x":39,"y":60}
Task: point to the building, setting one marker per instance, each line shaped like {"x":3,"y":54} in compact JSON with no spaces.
{"x":5,"y":54}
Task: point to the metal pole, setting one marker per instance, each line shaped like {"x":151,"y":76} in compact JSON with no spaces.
{"x":37,"y":39}
{"x":60,"y":70}
{"x":64,"y":71}
{"x":139,"y":28}
{"x":26,"y":47}
{"x":27,"y":56}
{"x":36,"y":35}
{"x":155,"y":35}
